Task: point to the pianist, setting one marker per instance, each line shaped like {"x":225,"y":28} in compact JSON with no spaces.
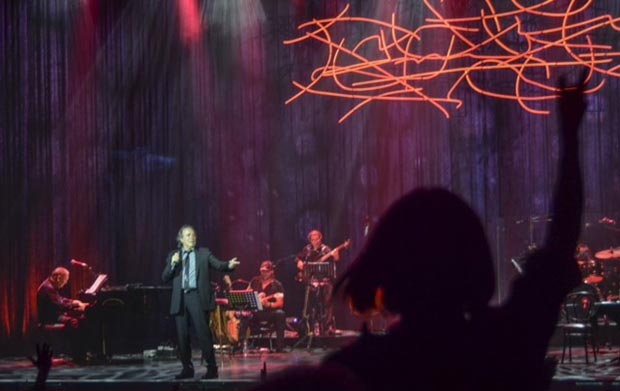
{"x":52,"y":306}
{"x":55,"y":310}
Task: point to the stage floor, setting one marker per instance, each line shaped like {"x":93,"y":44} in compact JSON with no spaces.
{"x":132,"y":372}
{"x":241,"y":371}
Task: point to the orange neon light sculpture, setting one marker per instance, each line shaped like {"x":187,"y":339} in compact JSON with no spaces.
{"x":398,"y":64}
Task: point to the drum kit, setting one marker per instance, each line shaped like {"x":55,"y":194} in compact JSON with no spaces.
{"x":602,"y":273}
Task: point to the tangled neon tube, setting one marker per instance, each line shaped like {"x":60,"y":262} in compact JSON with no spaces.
{"x":394,"y":63}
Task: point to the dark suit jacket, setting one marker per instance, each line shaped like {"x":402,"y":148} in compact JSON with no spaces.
{"x":204,"y":261}
{"x":51,"y":305}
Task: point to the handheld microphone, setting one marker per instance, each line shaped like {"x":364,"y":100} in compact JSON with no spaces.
{"x":180,"y":252}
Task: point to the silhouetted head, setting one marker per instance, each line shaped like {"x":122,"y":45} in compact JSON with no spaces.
{"x":428,"y":251}
{"x":582,"y":251}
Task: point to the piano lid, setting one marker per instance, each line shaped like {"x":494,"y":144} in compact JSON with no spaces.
{"x":135,"y":287}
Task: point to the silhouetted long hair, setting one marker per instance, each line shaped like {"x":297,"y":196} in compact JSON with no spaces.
{"x":428,"y":249}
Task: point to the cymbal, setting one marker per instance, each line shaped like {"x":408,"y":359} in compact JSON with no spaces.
{"x":612,"y":253}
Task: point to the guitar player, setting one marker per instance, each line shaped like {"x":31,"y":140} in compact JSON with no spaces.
{"x":271,"y":295}
{"x":318,"y":305}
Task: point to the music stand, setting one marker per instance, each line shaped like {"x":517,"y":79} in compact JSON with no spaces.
{"x":319,"y":271}
{"x":245,"y":300}
{"x":90,"y":294}
{"x":241,"y":300}
{"x":314,"y":272}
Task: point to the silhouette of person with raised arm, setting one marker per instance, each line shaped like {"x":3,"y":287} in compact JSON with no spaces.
{"x":43,"y":362}
{"x":450,"y":338}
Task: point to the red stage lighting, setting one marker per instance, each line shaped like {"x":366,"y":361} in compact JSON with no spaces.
{"x":189,"y":21}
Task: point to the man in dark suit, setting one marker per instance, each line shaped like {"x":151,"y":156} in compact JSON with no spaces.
{"x":188,"y":268}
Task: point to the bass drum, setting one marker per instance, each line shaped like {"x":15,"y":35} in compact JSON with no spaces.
{"x":611,"y":285}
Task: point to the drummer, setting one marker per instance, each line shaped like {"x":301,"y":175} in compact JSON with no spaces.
{"x":587,"y":264}
{"x":590,"y":272}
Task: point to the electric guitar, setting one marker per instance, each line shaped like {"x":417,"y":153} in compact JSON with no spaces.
{"x":324,"y":258}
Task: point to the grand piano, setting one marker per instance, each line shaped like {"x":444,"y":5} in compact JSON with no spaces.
{"x":128,"y":318}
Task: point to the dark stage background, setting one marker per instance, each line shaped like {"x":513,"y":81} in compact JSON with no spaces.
{"x":115,"y":130}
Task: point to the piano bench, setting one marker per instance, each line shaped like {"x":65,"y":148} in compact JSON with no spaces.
{"x":52,"y":327}
{"x":54,"y":335}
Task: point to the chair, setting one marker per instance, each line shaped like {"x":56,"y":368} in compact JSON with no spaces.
{"x":256,"y":330}
{"x":580,"y":323}
{"x":263,"y":329}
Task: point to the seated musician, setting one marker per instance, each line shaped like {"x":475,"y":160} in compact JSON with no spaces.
{"x":53,"y":308}
{"x":271,"y":294}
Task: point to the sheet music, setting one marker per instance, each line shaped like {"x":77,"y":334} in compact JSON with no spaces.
{"x":248,"y":298}
{"x":319,"y":270}
{"x":99,"y":281}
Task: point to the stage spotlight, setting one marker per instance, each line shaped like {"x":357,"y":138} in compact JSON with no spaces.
{"x":189,"y":21}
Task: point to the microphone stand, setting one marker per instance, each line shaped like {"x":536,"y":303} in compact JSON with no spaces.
{"x":531,"y":246}
{"x":280,"y":260}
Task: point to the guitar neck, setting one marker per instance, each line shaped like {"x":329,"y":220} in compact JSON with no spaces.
{"x":345,"y":245}
{"x":325,"y":257}
{"x":331,"y":253}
